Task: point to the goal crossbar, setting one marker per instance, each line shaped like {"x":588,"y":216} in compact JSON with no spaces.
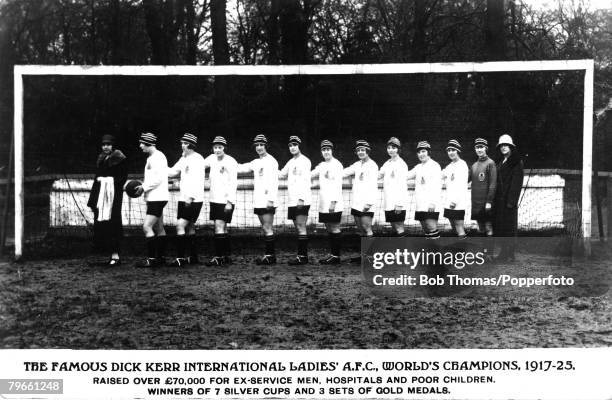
{"x":345,"y":69}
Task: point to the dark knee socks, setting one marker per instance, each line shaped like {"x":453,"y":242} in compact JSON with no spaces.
{"x":161,"y":246}
{"x":156,"y":246}
{"x":192,"y":241}
{"x":181,"y":241}
{"x":269,"y":241}
{"x":219,"y":241}
{"x":335,"y":243}
{"x":151,"y":243}
{"x":302,"y":245}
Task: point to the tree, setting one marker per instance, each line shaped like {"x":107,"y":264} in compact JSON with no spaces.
{"x":219,"y":32}
{"x":495,"y":37}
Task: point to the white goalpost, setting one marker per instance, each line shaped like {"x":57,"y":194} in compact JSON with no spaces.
{"x":20,"y":71}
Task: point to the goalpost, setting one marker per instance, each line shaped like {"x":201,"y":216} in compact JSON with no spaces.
{"x":355,"y":69}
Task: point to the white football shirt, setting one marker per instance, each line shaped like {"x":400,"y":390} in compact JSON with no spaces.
{"x":297,"y":171}
{"x":456,"y":177}
{"x":395,"y":185}
{"x":155,"y":183}
{"x":330,"y":185}
{"x":191,"y":171}
{"x":223,"y":177}
{"x":365,"y":184}
{"x":265,"y":182}
{"x":427,"y":185}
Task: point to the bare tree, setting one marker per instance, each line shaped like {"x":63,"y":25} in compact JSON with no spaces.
{"x":219,"y":32}
{"x":495,"y":38}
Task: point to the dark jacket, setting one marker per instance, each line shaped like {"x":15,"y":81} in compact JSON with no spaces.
{"x":108,"y":233}
{"x":509,"y":186}
{"x":483,"y":176}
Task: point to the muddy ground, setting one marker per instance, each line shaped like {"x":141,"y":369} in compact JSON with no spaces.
{"x":68,"y":303}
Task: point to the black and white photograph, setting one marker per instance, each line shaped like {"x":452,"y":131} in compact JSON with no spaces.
{"x":260,"y":174}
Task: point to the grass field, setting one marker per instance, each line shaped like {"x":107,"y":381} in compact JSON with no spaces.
{"x":66,"y":303}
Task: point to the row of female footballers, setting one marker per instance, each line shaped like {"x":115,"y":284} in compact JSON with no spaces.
{"x":427,"y":175}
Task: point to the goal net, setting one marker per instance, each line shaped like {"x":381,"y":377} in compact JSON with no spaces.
{"x":62,"y":111}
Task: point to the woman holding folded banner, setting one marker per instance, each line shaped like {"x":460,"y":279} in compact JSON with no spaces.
{"x":106,"y":197}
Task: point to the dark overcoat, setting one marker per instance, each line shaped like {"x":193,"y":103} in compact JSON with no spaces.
{"x":507,"y":194}
{"x":108,"y":234}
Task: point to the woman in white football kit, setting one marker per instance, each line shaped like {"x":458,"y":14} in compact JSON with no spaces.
{"x":427,"y":190}
{"x":456,"y":175}
{"x":156,"y":195}
{"x":223,"y":176}
{"x":329,"y":172}
{"x":297,"y":172}
{"x":190,"y":169}
{"x":265,"y":191}
{"x":365,"y":189}
{"x":394,"y":173}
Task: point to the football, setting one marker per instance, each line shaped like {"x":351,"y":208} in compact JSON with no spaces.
{"x":130,"y":188}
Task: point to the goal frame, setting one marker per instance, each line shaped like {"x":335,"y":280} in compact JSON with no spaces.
{"x":20,"y":71}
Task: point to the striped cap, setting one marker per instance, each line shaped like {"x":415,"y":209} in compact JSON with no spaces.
{"x":394,"y":142}
{"x":190,"y":138}
{"x":219,"y":140}
{"x":260,"y":139}
{"x":423,"y":144}
{"x":453,"y":144}
{"x":362,"y":143}
{"x":148,"y":138}
{"x":326,"y":144}
{"x":295,"y":139}
{"x":481,"y":142}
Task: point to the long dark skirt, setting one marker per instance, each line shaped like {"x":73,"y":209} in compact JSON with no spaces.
{"x":506,"y":221}
{"x":506,"y":226}
{"x":107,"y":234}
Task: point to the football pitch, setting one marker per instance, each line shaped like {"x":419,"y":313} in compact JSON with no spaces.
{"x":68,"y":303}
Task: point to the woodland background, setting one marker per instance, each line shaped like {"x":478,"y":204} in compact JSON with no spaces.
{"x":66,"y":116}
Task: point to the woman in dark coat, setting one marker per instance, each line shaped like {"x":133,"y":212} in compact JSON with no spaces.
{"x":509,"y":185}
{"x":108,"y":228}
